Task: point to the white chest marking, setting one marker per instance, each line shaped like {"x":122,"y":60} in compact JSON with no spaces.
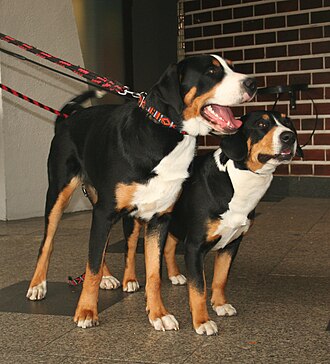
{"x":161,"y":191}
{"x":249,"y":188}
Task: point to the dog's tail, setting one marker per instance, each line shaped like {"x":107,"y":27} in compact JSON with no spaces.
{"x":74,"y":105}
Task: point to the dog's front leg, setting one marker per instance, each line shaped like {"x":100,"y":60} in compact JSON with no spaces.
{"x":222,"y":264}
{"x":86,"y":313}
{"x":108,"y":281}
{"x":173,"y":271}
{"x":155,"y":237}
{"x":194,"y":258}
{"x":131,"y":229}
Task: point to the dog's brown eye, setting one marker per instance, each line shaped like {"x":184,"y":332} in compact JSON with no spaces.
{"x":213,"y":71}
{"x":262,"y":124}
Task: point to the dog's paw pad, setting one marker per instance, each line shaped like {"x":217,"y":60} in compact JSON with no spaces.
{"x":178,"y":280}
{"x":131,"y":286}
{"x":208,"y":328}
{"x":225,"y":310}
{"x":167,"y":322}
{"x":38,"y":292}
{"x":109,"y":282}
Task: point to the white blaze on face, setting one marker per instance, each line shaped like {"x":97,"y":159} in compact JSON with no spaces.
{"x":276,"y":139}
{"x":277,"y":147}
{"x":230,"y":90}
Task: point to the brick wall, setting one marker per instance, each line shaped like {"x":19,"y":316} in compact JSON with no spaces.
{"x":279,"y":42}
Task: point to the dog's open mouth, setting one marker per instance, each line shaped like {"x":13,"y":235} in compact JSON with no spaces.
{"x":220,"y":118}
{"x":285,"y":155}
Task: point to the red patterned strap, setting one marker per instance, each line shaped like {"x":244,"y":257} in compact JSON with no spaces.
{"x":76,"y":281}
{"x":32,"y":101}
{"x":158,"y":117}
{"x":104,"y":82}
{"x":100,"y":81}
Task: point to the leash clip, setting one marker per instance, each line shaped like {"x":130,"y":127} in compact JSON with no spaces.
{"x":135,"y":95}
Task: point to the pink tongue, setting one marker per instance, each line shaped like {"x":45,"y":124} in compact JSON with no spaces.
{"x":286,"y":151}
{"x":226,"y":115}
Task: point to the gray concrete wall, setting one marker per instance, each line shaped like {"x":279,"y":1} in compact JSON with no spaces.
{"x":2,"y":167}
{"x":25,"y":130}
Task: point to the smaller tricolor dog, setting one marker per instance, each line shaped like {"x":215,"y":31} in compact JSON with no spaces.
{"x":217,"y":208}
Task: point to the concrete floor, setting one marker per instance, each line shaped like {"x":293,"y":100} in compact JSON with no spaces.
{"x":279,"y":285}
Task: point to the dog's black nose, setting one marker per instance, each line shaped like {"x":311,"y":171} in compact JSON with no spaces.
{"x":288,"y":137}
{"x":250,"y":85}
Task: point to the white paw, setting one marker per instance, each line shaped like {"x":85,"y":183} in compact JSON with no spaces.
{"x":109,"y":282}
{"x":37,"y":292}
{"x":167,"y":322}
{"x":178,"y":280}
{"x":208,"y":328}
{"x":84,"y":324}
{"x":225,"y":310}
{"x":132,"y":286}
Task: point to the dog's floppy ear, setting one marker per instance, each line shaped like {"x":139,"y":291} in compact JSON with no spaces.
{"x":234,"y":146}
{"x":167,"y":89}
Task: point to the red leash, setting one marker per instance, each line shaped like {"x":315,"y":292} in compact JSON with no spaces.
{"x":112,"y":86}
{"x":32,"y":101}
{"x":95,"y":80}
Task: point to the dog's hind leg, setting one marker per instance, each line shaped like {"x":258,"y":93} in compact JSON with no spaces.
{"x":38,"y":286}
{"x":56,"y":204}
{"x":173,"y":271}
{"x":63,"y":178}
{"x":131,"y":228}
{"x":222,"y":264}
{"x":155,"y":238}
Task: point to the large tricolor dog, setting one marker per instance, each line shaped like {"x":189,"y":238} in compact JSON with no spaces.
{"x":217,"y":207}
{"x":132,"y":166}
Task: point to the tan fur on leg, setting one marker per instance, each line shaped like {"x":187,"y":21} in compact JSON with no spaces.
{"x":169,"y":254}
{"x":86,"y":312}
{"x":37,"y":289}
{"x":219,"y":303}
{"x":130,"y":283}
{"x":159,"y":317}
{"x":222,"y":264}
{"x":173,"y":271}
